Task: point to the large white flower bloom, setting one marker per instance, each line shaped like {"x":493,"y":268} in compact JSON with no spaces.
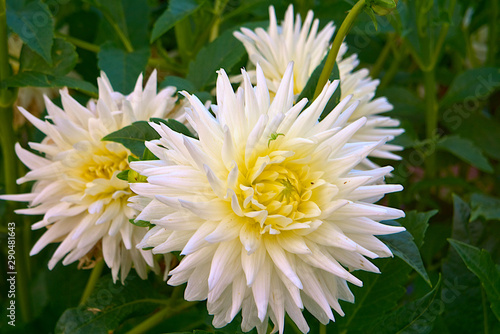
{"x":83,"y":203}
{"x":265,"y":207}
{"x":306,"y":47}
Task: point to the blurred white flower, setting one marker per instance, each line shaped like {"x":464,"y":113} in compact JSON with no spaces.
{"x":265,"y":207}
{"x":83,"y":203}
{"x":306,"y":47}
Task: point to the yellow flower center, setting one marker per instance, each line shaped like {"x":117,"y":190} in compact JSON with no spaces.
{"x":102,"y":164}
{"x":279,"y":196}
{"x":91,"y":168}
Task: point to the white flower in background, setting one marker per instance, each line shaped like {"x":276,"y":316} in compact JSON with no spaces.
{"x":83,"y":203}
{"x":306,"y":47}
{"x":265,"y":207}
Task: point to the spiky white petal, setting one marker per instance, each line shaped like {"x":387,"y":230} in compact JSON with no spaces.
{"x":266,"y":206}
{"x":83,"y":203}
{"x":306,"y":46}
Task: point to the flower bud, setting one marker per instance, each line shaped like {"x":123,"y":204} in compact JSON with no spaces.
{"x":383,"y":7}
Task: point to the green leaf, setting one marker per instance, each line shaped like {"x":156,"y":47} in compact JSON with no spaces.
{"x":485,"y":206}
{"x":482,"y":265}
{"x":403,"y":246}
{"x":33,"y":22}
{"x":122,"y":67}
{"x":224,"y":52}
{"x":176,"y":11}
{"x":123,"y":175}
{"x":416,"y":223}
{"x":137,"y":19}
{"x":140,"y":223}
{"x":308,"y":91}
{"x":110,"y":305}
{"x":472,"y":86}
{"x":179,"y":83}
{"x":134,"y":136}
{"x":64,"y":59}
{"x":481,"y":129}
{"x":378,"y":296}
{"x":466,"y":151}
{"x":36,"y":79}
{"x":461,"y":289}
{"x":174,"y":125}
{"x":415,"y":317}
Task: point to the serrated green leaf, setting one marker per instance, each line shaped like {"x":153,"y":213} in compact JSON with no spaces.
{"x":36,"y":79}
{"x":403,"y":246}
{"x":482,"y":130}
{"x":64,"y":59}
{"x":482,"y":265}
{"x":109,"y":305}
{"x":134,"y":136}
{"x":122,"y":67}
{"x":485,"y":206}
{"x":472,"y":85}
{"x":416,"y":317}
{"x":461,"y":289}
{"x":465,"y":150}
{"x":174,"y":125}
{"x":176,"y":11}
{"x":416,"y":223}
{"x":33,"y":22}
{"x":308,"y":91}
{"x":378,"y":296}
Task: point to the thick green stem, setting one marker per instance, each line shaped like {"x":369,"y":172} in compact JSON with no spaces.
{"x":94,"y":277}
{"x":159,"y":317}
{"x":7,"y":98}
{"x":431,"y":116}
{"x":492,"y":32}
{"x":337,"y":42}
{"x":322,"y":329}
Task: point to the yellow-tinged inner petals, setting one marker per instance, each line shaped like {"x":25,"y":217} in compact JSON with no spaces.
{"x":277,"y":193}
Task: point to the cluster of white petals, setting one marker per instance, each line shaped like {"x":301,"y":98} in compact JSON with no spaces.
{"x":83,"y":203}
{"x":306,"y":47}
{"x":267,"y":207}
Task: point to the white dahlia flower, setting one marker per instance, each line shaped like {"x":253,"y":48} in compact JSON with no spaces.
{"x":306,"y":47}
{"x":83,"y":203}
{"x":265,"y":207}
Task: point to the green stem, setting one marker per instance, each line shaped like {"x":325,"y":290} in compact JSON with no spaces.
{"x":322,"y":329}
{"x":119,"y":32}
{"x":94,"y":276}
{"x":7,"y":98}
{"x":337,"y":42}
{"x":485,"y":311}
{"x":390,"y":73}
{"x":492,"y":32}
{"x":158,"y":318}
{"x":80,"y":43}
{"x":153,"y":62}
{"x":292,"y":324}
{"x":382,"y":57}
{"x":431,"y":116}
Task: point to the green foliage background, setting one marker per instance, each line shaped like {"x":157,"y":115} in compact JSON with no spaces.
{"x":445,"y":276}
